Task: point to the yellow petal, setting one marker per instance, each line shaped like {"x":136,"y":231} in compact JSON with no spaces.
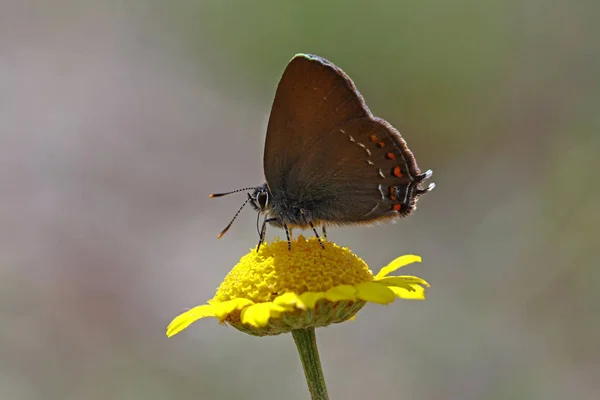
{"x":289,"y":301}
{"x":309,"y":299}
{"x":341,"y":292}
{"x":414,"y":280}
{"x":258,"y":315}
{"x":418,"y":293}
{"x":402,"y":281}
{"x":398,"y":263}
{"x":184,"y":320}
{"x":375,"y":292}
{"x":223,"y":309}
{"x":394,"y":281}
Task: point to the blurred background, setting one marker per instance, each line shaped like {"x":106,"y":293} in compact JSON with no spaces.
{"x":117,"y":119}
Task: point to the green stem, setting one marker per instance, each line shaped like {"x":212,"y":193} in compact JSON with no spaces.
{"x":306,"y":342}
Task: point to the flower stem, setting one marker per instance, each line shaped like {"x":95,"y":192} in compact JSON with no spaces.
{"x":306,"y":342}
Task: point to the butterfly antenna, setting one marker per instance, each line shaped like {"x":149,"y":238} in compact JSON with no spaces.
{"x":234,"y":217}
{"x":212,"y":195}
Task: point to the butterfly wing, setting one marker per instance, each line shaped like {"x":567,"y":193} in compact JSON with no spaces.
{"x":313,"y":97}
{"x":326,"y":154}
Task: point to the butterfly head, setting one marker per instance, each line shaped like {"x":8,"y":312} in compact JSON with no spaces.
{"x":260,"y":198}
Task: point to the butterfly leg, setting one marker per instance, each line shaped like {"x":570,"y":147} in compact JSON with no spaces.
{"x":263,"y":232}
{"x":288,"y":235}
{"x":313,"y":228}
{"x":324,"y":232}
{"x":316,"y":233}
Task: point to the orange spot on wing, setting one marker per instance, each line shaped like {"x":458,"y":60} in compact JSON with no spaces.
{"x":373,"y":138}
{"x":390,"y":156}
{"x":380,"y":144}
{"x":397,"y":171}
{"x":396,"y":207}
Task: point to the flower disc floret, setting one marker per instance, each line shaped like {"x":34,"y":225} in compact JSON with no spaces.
{"x":274,"y":270}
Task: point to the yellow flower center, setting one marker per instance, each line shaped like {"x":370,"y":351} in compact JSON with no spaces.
{"x":274,"y":270}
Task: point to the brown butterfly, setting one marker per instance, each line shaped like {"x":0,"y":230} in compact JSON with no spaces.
{"x":327,"y":159}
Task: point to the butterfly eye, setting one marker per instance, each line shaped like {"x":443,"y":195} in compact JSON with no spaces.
{"x":262,"y":199}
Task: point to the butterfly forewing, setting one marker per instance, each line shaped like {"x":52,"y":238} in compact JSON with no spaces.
{"x":313,"y":97}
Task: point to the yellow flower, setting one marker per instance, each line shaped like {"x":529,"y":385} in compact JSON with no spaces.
{"x":276,"y":290}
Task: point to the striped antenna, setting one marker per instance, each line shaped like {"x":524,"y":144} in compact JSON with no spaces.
{"x":235,"y":216}
{"x":212,"y":195}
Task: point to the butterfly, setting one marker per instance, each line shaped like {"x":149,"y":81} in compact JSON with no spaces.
{"x":328,"y":161}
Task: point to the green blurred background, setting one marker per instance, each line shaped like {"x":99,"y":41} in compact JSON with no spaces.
{"x":117,"y":119}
